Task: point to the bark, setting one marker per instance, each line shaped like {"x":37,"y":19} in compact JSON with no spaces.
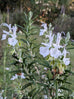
{"x":7,"y":14}
{"x":21,"y":7}
{"x":63,"y":9}
{"x":57,"y":3}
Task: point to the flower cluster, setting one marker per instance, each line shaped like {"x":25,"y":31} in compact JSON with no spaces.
{"x":53,"y":48}
{"x":11,"y":33}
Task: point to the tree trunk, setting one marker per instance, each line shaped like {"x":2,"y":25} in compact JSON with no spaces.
{"x":7,"y":14}
{"x":42,"y":1}
{"x":63,"y":9}
{"x":39,"y":1}
{"x":21,"y":7}
{"x":57,"y":3}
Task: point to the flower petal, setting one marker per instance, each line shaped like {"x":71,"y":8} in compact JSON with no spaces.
{"x":4,"y":37}
{"x":5,"y":32}
{"x":44,"y":51}
{"x":54,"y":52}
{"x":66,"y":61}
{"x":12,"y":41}
{"x":58,"y":38}
{"x":5,"y":24}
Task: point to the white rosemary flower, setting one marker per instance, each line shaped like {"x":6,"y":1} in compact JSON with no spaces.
{"x":44,"y":51}
{"x":11,"y":33}
{"x":42,"y":31}
{"x":55,"y":52}
{"x":12,"y":41}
